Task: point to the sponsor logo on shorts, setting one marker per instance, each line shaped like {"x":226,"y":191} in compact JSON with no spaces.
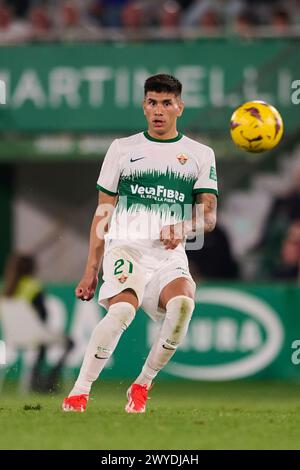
{"x":183,"y":271}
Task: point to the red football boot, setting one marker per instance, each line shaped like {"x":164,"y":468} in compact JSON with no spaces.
{"x":137,"y":397}
{"x":75,"y":403}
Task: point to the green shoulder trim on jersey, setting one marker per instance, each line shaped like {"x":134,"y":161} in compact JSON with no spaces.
{"x":110,"y":193}
{"x":161,"y":141}
{"x":205,"y":190}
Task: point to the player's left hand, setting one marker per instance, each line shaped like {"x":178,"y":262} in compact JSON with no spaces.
{"x":172,"y":235}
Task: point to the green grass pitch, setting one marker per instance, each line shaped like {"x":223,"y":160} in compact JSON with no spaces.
{"x":185,"y":415}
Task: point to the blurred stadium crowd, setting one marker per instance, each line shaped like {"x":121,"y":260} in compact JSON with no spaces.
{"x":275,"y":254}
{"x":68,"y":20}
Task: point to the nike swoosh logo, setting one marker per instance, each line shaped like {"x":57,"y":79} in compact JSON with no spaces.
{"x":165,"y":347}
{"x":98,"y":357}
{"x":136,"y":159}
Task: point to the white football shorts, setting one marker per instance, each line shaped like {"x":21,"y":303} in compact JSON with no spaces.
{"x":145,"y":271}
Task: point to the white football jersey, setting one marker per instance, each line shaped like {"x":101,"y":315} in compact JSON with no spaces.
{"x":156,"y":181}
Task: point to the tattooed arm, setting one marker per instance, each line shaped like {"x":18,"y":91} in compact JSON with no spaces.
{"x":204,"y":219}
{"x":209,"y":202}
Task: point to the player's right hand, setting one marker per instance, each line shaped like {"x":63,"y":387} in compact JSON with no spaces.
{"x":87,"y":287}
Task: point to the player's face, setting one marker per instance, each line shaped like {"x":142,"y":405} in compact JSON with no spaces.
{"x":161,"y":111}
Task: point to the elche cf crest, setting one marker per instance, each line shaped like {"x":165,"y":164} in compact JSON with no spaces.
{"x":182,"y":158}
{"x":122,"y":278}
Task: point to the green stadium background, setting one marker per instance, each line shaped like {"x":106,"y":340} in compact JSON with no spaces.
{"x":66,"y":103}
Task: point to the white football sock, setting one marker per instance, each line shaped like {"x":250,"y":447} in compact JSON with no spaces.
{"x":102,"y":343}
{"x":174,"y":328}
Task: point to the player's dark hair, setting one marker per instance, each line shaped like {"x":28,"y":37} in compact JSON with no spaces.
{"x":163,"y":83}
